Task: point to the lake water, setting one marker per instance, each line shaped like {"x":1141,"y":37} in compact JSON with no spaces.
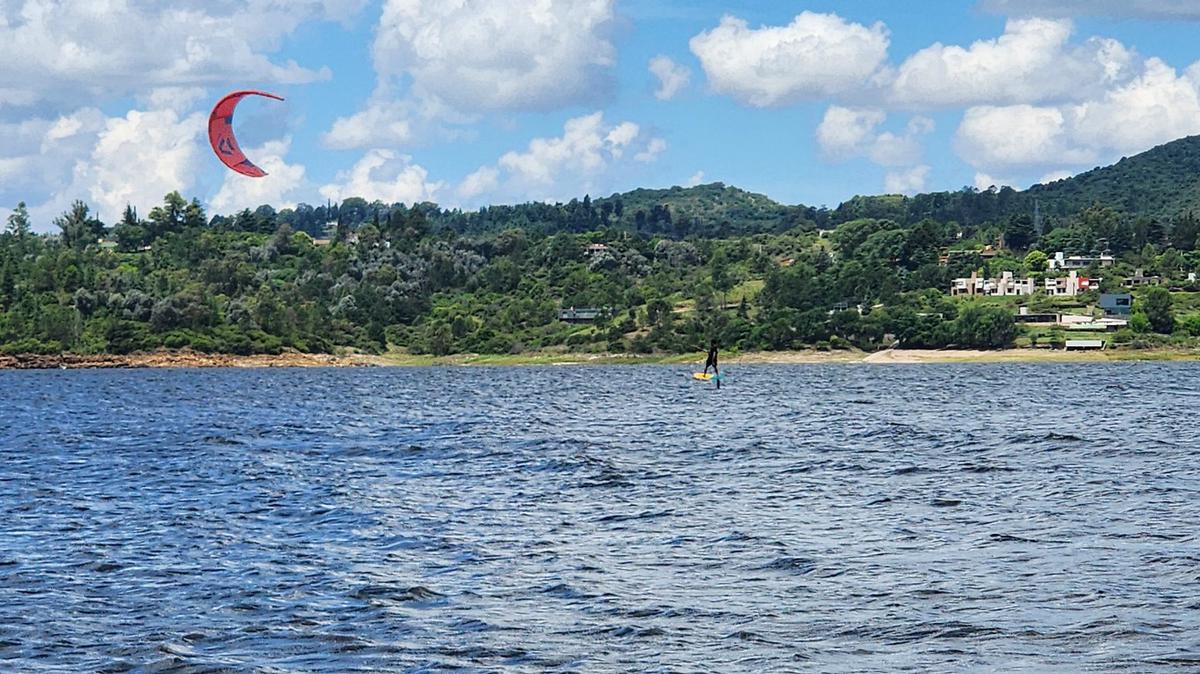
{"x":811,"y":518}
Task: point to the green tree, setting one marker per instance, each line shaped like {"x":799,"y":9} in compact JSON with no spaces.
{"x":1157,"y":306}
{"x":18,"y":221}
{"x":78,"y":227}
{"x":988,"y":327}
{"x":1036,"y":261}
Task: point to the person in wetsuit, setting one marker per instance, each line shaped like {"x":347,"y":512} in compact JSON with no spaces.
{"x":711,"y":361}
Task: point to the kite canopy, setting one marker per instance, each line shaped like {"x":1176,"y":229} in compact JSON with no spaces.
{"x":220,"y":134}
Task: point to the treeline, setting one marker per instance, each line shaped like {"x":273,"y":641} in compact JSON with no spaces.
{"x":375,"y":276}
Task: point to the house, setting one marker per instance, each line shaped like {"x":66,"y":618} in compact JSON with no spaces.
{"x":1116,"y":304}
{"x":1085,"y":344}
{"x":1139,"y":279}
{"x":581,"y":315}
{"x":1070,"y":285}
{"x":594,"y":249}
{"x":1061,"y":261}
{"x":1005,"y":286}
{"x":1025,"y":316}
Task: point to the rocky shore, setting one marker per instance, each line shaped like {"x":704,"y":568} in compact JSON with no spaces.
{"x":179,"y":359}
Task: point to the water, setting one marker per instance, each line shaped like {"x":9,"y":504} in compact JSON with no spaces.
{"x":833,"y":519}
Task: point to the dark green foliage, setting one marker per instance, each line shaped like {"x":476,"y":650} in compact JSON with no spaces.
{"x":1156,"y":305}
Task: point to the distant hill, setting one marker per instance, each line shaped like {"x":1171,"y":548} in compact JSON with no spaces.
{"x":1160,"y":183}
{"x":714,"y":209}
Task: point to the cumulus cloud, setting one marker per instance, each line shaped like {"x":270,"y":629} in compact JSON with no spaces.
{"x":815,"y":56}
{"x":483,"y":181}
{"x":381,"y":122}
{"x":281,"y":187}
{"x":696,"y":179}
{"x":589,"y":151}
{"x":1158,"y":106}
{"x":138,"y":158}
{"x":67,"y":53}
{"x":908,"y":181}
{"x":1032,"y":62}
{"x":672,"y":77}
{"x":386,"y":176}
{"x":846,"y":133}
{"x":483,"y":55}
{"x":1146,"y":9}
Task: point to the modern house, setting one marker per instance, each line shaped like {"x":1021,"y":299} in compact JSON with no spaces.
{"x":1116,"y":304}
{"x":1070,"y":285}
{"x":1005,"y":286}
{"x":1139,"y":279}
{"x":1061,"y":261}
{"x":1084,"y":344}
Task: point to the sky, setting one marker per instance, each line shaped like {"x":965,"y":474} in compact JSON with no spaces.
{"x":475,"y":102}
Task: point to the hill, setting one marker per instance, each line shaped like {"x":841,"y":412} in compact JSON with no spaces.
{"x":1160,"y":183}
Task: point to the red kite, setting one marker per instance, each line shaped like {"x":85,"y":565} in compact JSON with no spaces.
{"x":220,"y":134}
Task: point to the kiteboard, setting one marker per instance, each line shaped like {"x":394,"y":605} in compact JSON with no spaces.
{"x":704,"y":376}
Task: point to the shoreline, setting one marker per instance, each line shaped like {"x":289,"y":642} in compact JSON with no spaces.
{"x":189,"y":359}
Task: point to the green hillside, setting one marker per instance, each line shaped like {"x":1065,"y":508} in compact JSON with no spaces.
{"x":1162,"y":183}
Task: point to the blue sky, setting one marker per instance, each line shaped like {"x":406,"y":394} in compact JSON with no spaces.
{"x":467,"y":102}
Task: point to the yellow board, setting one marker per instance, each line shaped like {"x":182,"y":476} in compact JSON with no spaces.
{"x":702,"y":376}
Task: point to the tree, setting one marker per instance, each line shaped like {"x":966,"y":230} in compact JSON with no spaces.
{"x":1185,"y":232}
{"x":1157,"y":307}
{"x":18,"y":221}
{"x":1018,"y":232}
{"x":986,"y":327}
{"x":1036,"y":260}
{"x":78,"y":226}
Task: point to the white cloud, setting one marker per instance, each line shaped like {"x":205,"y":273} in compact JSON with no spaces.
{"x":1157,"y":107}
{"x":1148,"y":9}
{"x":672,"y":77}
{"x":1032,"y":62}
{"x":653,"y":149}
{"x":1055,"y":176}
{"x":908,"y":181}
{"x":281,"y":187}
{"x":381,"y":122}
{"x":696,"y":179}
{"x":485,"y":180}
{"x":847,"y":132}
{"x":384,"y":175}
{"x":1014,"y":136}
{"x":69,"y":53}
{"x":484,"y":55}
{"x":583,"y":159}
{"x":137,"y":159}
{"x":442,"y":65}
{"x":815,"y":56}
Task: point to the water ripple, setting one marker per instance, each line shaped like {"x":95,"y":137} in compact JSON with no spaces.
{"x":833,"y":519}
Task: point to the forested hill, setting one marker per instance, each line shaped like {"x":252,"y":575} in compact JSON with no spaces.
{"x":1162,"y":184}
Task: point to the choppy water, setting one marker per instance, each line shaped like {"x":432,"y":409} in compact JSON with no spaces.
{"x":845,"y":518}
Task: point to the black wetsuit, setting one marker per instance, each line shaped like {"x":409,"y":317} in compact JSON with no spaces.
{"x":711,"y":361}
